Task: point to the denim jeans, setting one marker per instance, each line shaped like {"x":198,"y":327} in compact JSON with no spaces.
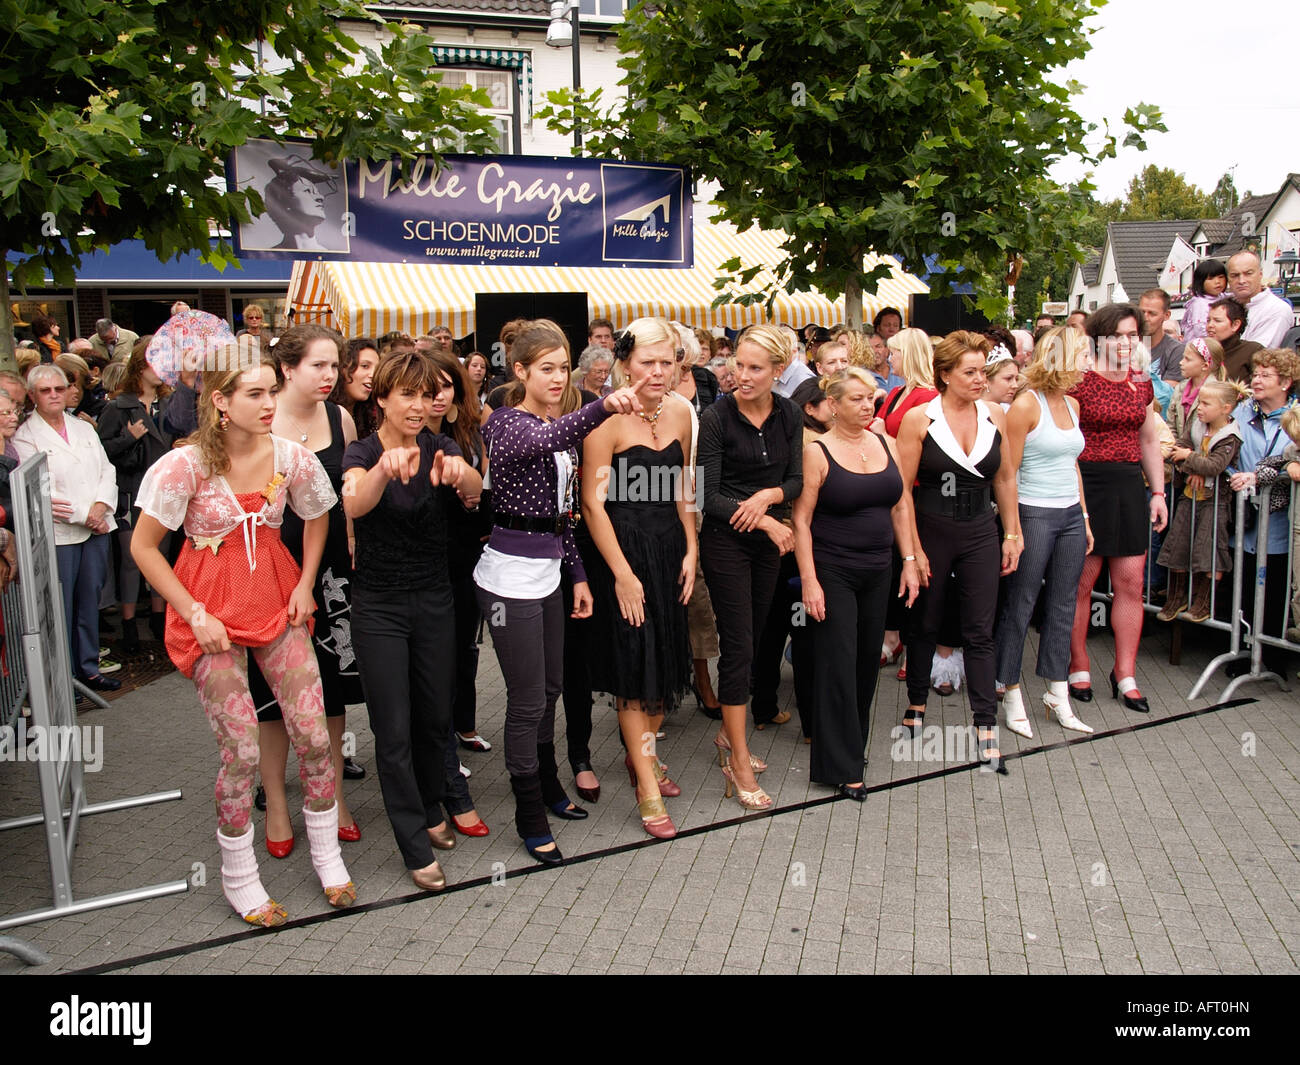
{"x":1055,"y":545}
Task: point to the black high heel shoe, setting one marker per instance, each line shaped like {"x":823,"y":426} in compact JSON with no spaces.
{"x":1082,"y":692}
{"x":713,"y":713}
{"x":568,"y":811}
{"x":1137,"y":705}
{"x":590,"y":794}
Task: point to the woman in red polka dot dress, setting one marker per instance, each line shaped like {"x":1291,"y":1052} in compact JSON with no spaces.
{"x":236,"y":587}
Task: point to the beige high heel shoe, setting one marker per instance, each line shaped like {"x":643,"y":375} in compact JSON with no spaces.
{"x":723,"y":745}
{"x":750,"y":800}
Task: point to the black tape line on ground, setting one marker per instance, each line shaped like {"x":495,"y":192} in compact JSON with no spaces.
{"x":623,"y":848}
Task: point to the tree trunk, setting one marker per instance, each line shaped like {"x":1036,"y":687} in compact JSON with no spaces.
{"x":853,"y":303}
{"x":7,"y":358}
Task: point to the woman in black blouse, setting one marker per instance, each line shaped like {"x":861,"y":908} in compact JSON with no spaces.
{"x":751,"y":457}
{"x":397,"y":486}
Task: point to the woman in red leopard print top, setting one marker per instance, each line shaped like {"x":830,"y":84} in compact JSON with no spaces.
{"x":1121,"y":442}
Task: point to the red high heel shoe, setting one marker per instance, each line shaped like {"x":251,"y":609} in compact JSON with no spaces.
{"x":667,"y":788}
{"x":350,"y":833}
{"x":477,"y":830}
{"x":279,"y":848}
{"x":655,"y":819}
{"x":889,"y":657}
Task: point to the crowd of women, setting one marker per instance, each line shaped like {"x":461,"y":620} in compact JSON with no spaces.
{"x":347,"y":514}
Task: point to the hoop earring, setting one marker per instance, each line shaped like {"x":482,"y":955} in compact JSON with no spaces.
{"x":223,"y":423}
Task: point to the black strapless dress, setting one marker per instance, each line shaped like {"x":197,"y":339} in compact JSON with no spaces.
{"x":650,"y":662}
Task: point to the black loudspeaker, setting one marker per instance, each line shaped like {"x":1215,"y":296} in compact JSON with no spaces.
{"x":492,"y":310}
{"x":944,"y":314}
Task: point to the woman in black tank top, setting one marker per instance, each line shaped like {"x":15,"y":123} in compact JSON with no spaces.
{"x":846,"y":520}
{"x":955,"y":458}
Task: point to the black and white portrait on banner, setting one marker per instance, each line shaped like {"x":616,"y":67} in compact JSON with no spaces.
{"x":306,"y":200}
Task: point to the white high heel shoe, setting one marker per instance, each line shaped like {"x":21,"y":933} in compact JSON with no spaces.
{"x":1057,"y":701}
{"x":1017,"y":720}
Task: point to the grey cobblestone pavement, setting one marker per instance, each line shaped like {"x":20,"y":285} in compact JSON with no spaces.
{"x":1172,"y":849}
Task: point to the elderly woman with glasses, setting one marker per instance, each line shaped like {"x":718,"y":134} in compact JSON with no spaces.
{"x":594,"y":365}
{"x":83,"y":488}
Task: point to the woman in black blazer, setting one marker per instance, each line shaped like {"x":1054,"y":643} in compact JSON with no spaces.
{"x":130,"y":428}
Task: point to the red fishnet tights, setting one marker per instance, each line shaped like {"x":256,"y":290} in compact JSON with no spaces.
{"x":1125,"y":613}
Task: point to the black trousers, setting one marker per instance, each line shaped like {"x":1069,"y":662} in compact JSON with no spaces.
{"x":577,"y":681}
{"x":465,"y":602}
{"x":741,"y":571}
{"x":965,"y":557}
{"x":846,"y":663}
{"x":404,"y":644}
{"x":528,"y":635}
{"x":780,"y":623}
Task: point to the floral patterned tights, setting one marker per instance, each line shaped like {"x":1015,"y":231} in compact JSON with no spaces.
{"x":289,"y":665}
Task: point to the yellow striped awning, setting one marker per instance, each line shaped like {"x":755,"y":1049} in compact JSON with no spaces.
{"x":370,"y":299}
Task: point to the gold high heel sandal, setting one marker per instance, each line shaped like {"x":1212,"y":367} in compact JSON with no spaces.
{"x":723,"y":745}
{"x":750,"y":800}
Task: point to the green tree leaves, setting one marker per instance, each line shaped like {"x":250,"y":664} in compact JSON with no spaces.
{"x":898,"y":126}
{"x":116,"y":118}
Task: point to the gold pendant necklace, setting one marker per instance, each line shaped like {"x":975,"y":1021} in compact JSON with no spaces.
{"x":650,"y":420}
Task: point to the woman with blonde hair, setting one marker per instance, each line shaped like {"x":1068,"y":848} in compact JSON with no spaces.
{"x":846,"y":520}
{"x":644,"y":570}
{"x":752,"y":465}
{"x":1045,"y":441}
{"x":911,"y":357}
{"x":236,"y":590}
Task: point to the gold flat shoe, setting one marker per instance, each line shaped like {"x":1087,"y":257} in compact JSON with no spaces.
{"x":442,"y":838}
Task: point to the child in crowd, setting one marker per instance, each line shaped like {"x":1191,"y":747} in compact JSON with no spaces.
{"x":1198,"y":535}
{"x":1202,"y":360}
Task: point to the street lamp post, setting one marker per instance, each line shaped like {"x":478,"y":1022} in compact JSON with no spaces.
{"x":1287,"y":263}
{"x":563,"y":33}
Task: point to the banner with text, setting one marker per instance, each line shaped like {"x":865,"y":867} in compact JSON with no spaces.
{"x":511,"y":210}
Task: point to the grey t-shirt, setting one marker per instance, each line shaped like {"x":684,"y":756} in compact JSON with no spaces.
{"x":1165,"y":359}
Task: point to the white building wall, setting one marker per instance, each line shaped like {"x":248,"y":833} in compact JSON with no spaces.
{"x":552,"y":69}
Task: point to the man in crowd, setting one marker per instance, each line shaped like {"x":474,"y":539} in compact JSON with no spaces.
{"x":1042,"y":323}
{"x":1166,"y":352}
{"x":887,"y":322}
{"x":601,"y":331}
{"x":1077,"y":319}
{"x":1268,"y":316}
{"x":112,"y":341}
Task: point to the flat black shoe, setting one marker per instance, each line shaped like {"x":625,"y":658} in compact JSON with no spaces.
{"x":568,"y":811}
{"x":353,"y":770}
{"x":259,"y":798}
{"x":858,"y":793}
{"x":550,"y":857}
{"x":102,"y":683}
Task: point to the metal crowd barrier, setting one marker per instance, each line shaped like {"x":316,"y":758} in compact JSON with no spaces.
{"x":1259,"y":639}
{"x":13,"y":670}
{"x":1246,"y":638}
